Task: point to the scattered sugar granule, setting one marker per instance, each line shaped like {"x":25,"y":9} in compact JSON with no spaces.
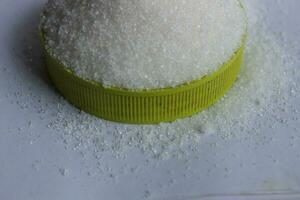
{"x":147,"y":194}
{"x":143,"y":44}
{"x":63,"y":171}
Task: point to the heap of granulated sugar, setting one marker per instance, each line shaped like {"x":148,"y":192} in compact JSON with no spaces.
{"x":143,"y":44}
{"x":266,"y":87}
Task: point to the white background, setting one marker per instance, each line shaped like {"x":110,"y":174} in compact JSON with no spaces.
{"x":34,"y":163}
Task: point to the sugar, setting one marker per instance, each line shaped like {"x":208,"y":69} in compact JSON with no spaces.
{"x":265,"y":96}
{"x":63,"y":171}
{"x":263,"y":89}
{"x":143,"y":44}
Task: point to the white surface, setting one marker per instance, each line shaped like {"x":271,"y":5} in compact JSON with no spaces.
{"x":32,"y":158}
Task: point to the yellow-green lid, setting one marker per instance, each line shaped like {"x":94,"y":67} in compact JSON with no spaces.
{"x":143,"y":106}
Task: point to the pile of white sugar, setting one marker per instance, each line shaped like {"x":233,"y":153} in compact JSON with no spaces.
{"x":143,"y":44}
{"x":261,"y":97}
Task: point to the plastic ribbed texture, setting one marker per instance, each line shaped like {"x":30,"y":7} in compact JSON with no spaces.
{"x":143,"y":106}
